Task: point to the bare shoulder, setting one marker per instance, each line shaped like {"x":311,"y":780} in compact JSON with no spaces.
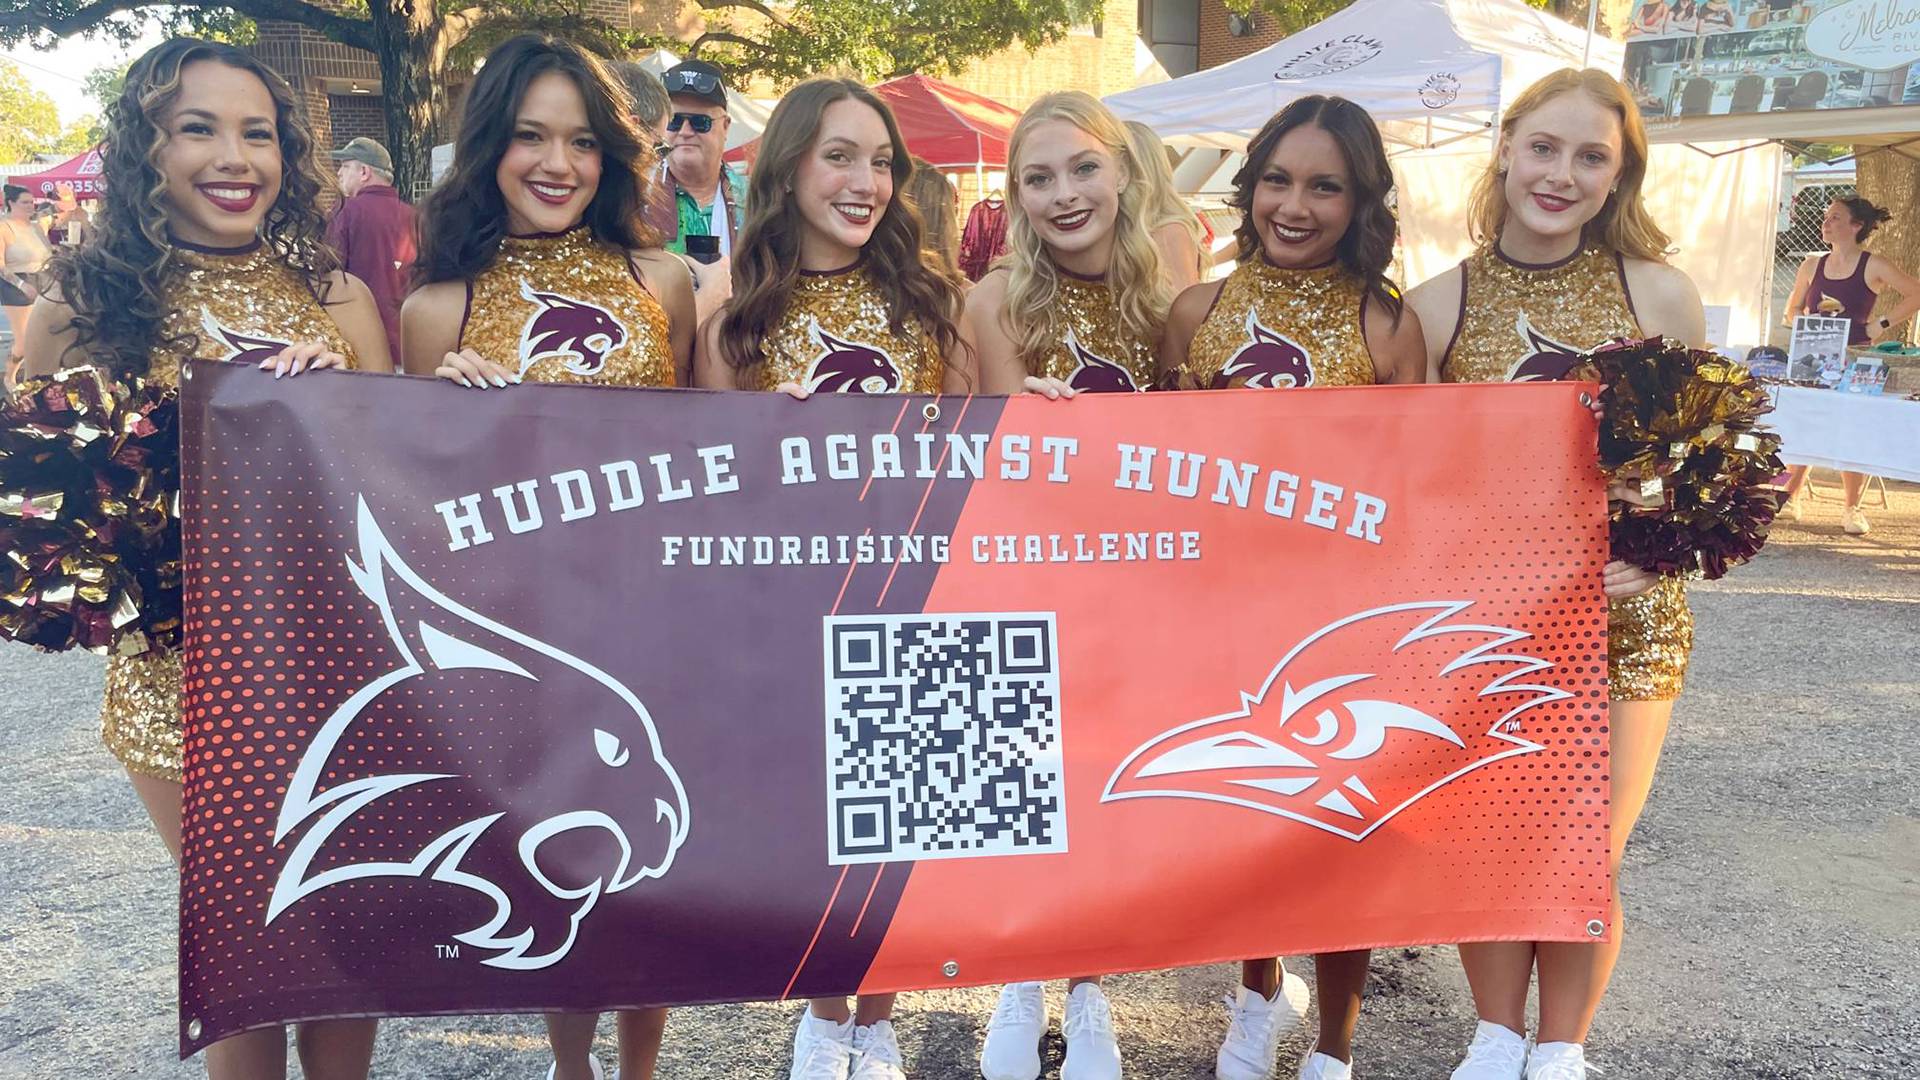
{"x":1437,"y":293}
{"x":990,"y":291}
{"x":441,"y":299}
{"x":660,"y":265}
{"x":342,"y":287}
{"x":1666,"y":301}
{"x":1191,"y":306}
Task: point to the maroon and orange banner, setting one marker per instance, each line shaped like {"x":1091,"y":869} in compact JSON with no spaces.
{"x":573,"y":698}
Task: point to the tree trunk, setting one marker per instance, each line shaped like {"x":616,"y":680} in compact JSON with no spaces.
{"x":1889,"y":179}
{"x":412,"y":52}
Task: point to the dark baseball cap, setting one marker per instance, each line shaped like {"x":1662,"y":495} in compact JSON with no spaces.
{"x":697,"y":79}
{"x":367,"y":152}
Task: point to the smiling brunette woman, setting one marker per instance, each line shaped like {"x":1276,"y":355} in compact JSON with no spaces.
{"x":536,"y":265}
{"x":1569,"y":261}
{"x":210,"y":248}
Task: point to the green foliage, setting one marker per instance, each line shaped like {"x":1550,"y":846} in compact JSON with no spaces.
{"x":1292,"y":16}
{"x":29,"y":123}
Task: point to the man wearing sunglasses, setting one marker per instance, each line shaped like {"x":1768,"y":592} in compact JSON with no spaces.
{"x":706,"y":192}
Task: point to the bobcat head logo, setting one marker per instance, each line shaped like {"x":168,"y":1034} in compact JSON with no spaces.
{"x":1269,"y":361}
{"x":1094,"y":373}
{"x":240,"y":348}
{"x":848,"y":367}
{"x":1345,"y":751}
{"x":563,"y":326}
{"x":574,"y":805}
{"x":1545,"y":360}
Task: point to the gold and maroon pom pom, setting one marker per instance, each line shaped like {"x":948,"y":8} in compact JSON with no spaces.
{"x":1683,"y":428}
{"x":89,"y":533}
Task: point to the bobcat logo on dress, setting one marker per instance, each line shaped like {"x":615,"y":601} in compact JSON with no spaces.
{"x":563,"y":326}
{"x":1269,"y":361}
{"x":240,"y":348}
{"x":1094,"y":373}
{"x":578,"y":806}
{"x":1345,"y":751}
{"x":848,"y":367}
{"x":1546,"y":360}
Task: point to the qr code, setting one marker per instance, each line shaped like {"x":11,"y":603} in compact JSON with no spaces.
{"x":943,"y":737}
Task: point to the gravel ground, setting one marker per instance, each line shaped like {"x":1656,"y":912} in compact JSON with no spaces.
{"x":1774,"y":884}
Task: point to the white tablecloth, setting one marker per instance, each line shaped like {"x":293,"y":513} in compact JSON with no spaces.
{"x":1878,"y":435}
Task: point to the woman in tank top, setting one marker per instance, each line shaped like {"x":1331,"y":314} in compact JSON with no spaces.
{"x":211,"y":247}
{"x":1569,"y":261}
{"x":1308,"y":306}
{"x":1826,"y":286}
{"x":24,"y":251}
{"x":536,"y":265}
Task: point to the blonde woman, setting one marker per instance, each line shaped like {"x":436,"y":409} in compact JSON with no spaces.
{"x":1175,"y":227}
{"x":1569,"y":260}
{"x":1077,"y":304}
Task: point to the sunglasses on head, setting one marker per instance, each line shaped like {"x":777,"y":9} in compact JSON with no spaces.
{"x":701,"y":122}
{"x":700,"y":82}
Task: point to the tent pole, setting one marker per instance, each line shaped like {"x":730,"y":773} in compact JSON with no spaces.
{"x":1593,"y":21}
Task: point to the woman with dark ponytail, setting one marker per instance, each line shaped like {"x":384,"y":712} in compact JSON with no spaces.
{"x":1846,"y":283}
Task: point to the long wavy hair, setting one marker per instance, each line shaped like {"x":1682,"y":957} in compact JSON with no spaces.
{"x":1366,"y":249}
{"x":938,"y":203}
{"x":766,"y":260}
{"x":464,"y":220}
{"x":1163,"y":204}
{"x":1140,"y":288}
{"x":117,"y":284}
{"x":1623,"y":223}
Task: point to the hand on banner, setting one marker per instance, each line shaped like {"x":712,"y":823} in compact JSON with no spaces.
{"x":1052,"y":389}
{"x":470,"y":370}
{"x":1621,"y":581}
{"x":794,"y":390}
{"x":306,"y":356}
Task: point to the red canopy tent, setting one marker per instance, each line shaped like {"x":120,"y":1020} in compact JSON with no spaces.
{"x":82,"y":171}
{"x":949,"y":127}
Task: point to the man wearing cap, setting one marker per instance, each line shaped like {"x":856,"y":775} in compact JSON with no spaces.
{"x":373,"y":229}
{"x":706,"y":192}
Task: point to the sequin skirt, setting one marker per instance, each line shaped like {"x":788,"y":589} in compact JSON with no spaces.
{"x":140,"y":718}
{"x":1649,"y":638}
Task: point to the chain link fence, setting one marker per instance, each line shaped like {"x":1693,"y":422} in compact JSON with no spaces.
{"x":1799,"y":237}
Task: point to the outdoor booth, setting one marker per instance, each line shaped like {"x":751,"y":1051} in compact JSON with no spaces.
{"x":82,"y":171}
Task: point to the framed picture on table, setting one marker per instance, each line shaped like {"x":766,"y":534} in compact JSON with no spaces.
{"x":1817,"y":351}
{"x":1864,"y":376}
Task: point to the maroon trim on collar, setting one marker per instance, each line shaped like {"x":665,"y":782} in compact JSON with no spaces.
{"x":1554,"y":265}
{"x":547,"y":235}
{"x":201,"y":249}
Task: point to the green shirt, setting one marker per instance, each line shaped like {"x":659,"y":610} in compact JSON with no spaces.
{"x":696,"y":220}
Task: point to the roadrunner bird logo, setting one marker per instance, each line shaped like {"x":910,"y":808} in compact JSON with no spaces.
{"x":1346,"y":751}
{"x":562,"y":326}
{"x":578,"y":805}
{"x":1268,"y":361}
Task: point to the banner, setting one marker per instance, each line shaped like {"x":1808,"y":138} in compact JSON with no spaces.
{"x":1719,"y":57}
{"x":573,"y":698}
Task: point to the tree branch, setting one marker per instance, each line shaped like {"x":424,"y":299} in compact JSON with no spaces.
{"x":754,"y":6}
{"x":36,"y":17}
{"x":726,"y":38}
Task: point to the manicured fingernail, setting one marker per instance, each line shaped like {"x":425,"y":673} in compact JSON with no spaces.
{"x":499,"y":382}
{"x":465,"y":383}
{"x":516,"y":379}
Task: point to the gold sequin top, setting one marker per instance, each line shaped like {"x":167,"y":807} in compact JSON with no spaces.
{"x":1520,"y":323}
{"x":834,"y":339}
{"x":565,"y":308}
{"x":241,"y":305}
{"x":1094,"y":352}
{"x":1271,"y":327}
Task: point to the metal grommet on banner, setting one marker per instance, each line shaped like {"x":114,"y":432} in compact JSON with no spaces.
{"x":193,"y":1029}
{"x":1586,"y":400}
{"x":186,"y":371}
{"x":1596,"y":928}
{"x":951,"y":968}
{"x":931,"y":410}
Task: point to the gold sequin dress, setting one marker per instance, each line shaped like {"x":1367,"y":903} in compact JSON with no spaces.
{"x":1271,"y":327}
{"x":834,"y":339}
{"x":1520,"y":322}
{"x":565,"y":308}
{"x":1094,"y":352}
{"x":242,"y":306}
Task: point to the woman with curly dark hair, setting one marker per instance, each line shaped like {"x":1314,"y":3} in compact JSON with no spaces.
{"x":1309,"y":305}
{"x":831,"y":294}
{"x":830,"y":291}
{"x":209,"y":247}
{"x":537,"y":227}
{"x":536,"y":264}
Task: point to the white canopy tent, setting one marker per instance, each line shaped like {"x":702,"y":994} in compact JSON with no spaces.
{"x":1719,"y":206}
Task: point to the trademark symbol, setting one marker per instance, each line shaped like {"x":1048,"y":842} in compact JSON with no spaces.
{"x":447,"y":952}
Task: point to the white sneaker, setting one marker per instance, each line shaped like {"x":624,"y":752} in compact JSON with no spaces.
{"x":1092,"y":1053}
{"x":1319,"y":1066}
{"x":592,"y":1063}
{"x":1012,"y":1048}
{"x":1792,"y":510}
{"x":822,"y":1049}
{"x":1497,"y":1053}
{"x":1854,"y":522}
{"x":1557,"y":1061}
{"x":1255,"y":1026}
{"x":878,"y":1052}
